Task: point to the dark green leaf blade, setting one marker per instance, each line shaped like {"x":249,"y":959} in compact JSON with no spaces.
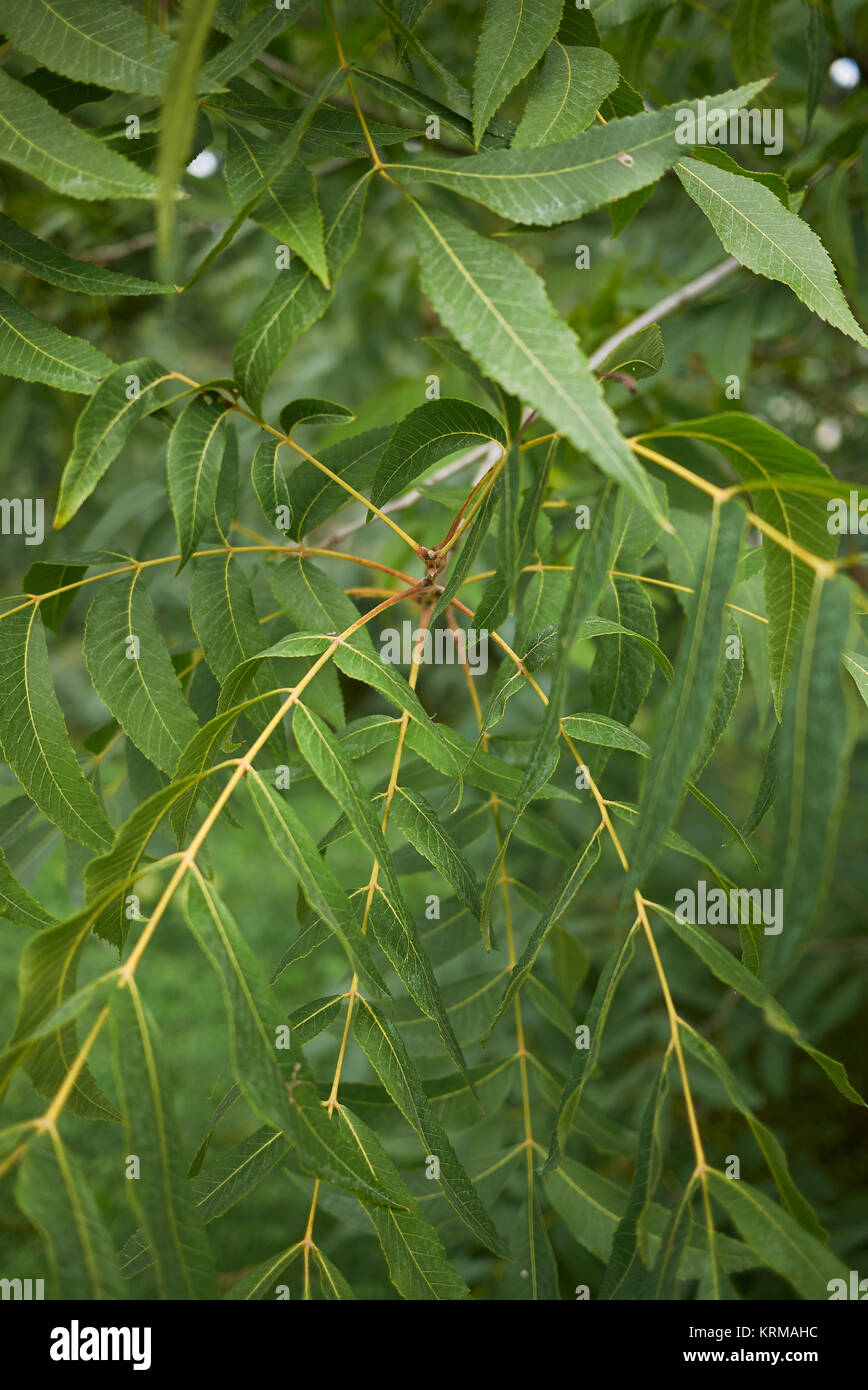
{"x":53,"y":1193}
{"x":20,"y":247}
{"x":811,"y":771}
{"x":558,"y":183}
{"x":49,"y":147}
{"x":427,"y":434}
{"x":684,"y":710}
{"x":513,"y":37}
{"x":193,"y":466}
{"x":383,"y":1046}
{"x":136,"y":678}
{"x":161,"y":1195}
{"x":102,"y":429}
{"x":34,"y":738}
{"x":33,"y":350}
{"x":780,"y":1242}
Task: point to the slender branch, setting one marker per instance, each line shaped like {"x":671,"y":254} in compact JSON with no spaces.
{"x":115,"y":252}
{"x":663,"y":308}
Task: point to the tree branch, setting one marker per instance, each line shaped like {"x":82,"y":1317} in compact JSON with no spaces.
{"x":660,"y":310}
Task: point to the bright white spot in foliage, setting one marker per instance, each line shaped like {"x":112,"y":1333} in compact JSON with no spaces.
{"x":828,"y":434}
{"x":204,"y":165}
{"x":844,"y":72}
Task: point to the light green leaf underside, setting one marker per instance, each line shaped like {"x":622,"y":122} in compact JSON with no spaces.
{"x":766,"y":238}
